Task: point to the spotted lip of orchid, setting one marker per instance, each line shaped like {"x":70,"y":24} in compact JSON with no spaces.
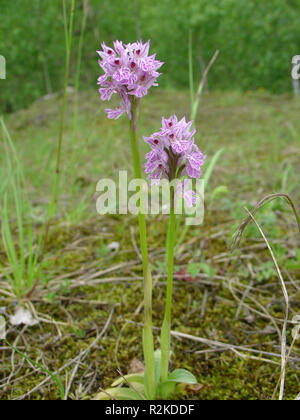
{"x":174,"y":154}
{"x":129,"y":71}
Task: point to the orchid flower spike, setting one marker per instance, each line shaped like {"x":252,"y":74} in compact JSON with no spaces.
{"x":129,"y":71}
{"x":174,"y":154}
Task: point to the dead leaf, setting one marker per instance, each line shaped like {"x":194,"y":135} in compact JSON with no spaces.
{"x":182,"y":388}
{"x":22,"y":316}
{"x":136,"y":366}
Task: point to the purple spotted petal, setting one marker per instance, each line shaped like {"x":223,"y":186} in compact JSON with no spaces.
{"x":128,"y":71}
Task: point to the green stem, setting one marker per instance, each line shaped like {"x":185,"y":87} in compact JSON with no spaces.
{"x":138,"y":175}
{"x":62,"y":119}
{"x":166,"y":327}
{"x":68,"y":35}
{"x":148,"y":342}
{"x":76,"y":105}
{"x":54,"y":195}
{"x":191,"y":76}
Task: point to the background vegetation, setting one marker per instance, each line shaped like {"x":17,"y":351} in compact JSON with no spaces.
{"x":257,"y":41}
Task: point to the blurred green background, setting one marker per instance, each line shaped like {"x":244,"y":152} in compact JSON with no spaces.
{"x":257,"y":40}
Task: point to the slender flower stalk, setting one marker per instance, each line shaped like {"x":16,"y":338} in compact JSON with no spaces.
{"x":166,"y":327}
{"x":138,"y":175}
{"x":173,"y":156}
{"x":148,"y":342}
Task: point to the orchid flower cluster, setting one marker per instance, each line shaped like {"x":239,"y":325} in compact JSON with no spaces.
{"x":128,"y":70}
{"x":174,"y":154}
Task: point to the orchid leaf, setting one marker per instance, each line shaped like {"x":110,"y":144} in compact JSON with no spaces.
{"x":134,"y":378}
{"x":166,"y":389}
{"x":157,"y":360}
{"x":182,"y":376}
{"x":118,"y":394}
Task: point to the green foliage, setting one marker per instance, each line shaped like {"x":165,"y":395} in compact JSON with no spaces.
{"x":23,"y":258}
{"x":182,"y":376}
{"x":294,"y":264}
{"x":196,"y":268}
{"x":137,"y":384}
{"x":32,"y":40}
{"x":264,"y":272}
{"x":257,"y":41}
{"x":218,"y":192}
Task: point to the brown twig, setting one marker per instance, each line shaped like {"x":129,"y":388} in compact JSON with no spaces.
{"x":244,"y":224}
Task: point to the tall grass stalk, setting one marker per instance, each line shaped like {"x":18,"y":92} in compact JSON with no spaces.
{"x":236,"y":241}
{"x":197,"y":98}
{"x":286,"y":298}
{"x":23,"y":258}
{"x":191,"y":75}
{"x":76,"y":104}
{"x":68,"y":40}
{"x":26,"y":259}
{"x":194,"y":104}
{"x":68,"y":29}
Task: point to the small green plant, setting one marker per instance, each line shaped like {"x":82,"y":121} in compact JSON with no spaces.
{"x":26,"y":258}
{"x":266,"y":271}
{"x":295,"y":263}
{"x":135,"y":390}
{"x":196,"y":268}
{"x":23,"y":257}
